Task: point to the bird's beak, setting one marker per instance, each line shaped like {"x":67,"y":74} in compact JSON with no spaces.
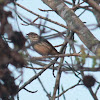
{"x":27,"y":36}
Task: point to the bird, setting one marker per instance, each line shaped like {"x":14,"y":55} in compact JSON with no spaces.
{"x":41,"y":45}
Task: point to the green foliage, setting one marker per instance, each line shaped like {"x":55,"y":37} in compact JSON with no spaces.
{"x":81,"y":60}
{"x":98,"y":53}
{"x":94,"y":62}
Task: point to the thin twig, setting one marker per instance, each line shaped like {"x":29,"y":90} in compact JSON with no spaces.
{"x":68,"y":89}
{"x":41,"y":83}
{"x":45,"y":18}
{"x":30,"y":91}
{"x":97,"y":88}
{"x":61,"y":55}
{"x":37,"y":75}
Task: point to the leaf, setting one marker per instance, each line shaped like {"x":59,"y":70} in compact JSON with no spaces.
{"x":94,"y":62}
{"x":83,"y":55}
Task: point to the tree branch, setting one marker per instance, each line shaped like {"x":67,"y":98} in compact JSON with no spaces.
{"x":74,"y":23}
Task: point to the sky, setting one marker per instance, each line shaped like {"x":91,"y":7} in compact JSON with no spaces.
{"x":68,"y":79}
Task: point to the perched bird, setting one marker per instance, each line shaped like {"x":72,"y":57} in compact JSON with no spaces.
{"x":41,"y":45}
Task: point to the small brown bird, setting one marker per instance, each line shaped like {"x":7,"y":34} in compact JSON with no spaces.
{"x":41,"y":45}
